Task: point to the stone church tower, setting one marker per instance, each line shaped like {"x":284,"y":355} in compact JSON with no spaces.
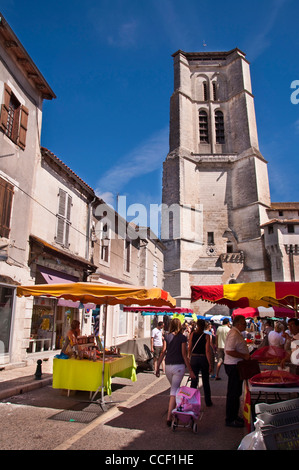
{"x":215,"y":180}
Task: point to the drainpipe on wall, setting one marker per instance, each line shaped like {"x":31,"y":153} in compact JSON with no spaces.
{"x":291,"y":260}
{"x":88,"y":227}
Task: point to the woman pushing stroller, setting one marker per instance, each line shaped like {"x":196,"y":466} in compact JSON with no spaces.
{"x":176,"y":361}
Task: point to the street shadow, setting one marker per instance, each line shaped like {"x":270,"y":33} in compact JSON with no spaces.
{"x":149,"y":418}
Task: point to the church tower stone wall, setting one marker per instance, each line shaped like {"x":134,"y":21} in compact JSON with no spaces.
{"x":214,"y":177}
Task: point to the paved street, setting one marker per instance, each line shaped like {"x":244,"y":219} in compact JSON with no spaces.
{"x":47,"y":419}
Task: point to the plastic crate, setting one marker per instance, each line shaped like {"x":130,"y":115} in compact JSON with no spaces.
{"x":281,"y":437}
{"x":280,"y":419}
{"x":280,"y":407}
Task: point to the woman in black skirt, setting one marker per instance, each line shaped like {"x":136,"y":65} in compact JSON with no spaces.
{"x":200,"y":359}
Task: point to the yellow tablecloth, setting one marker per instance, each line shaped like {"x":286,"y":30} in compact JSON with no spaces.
{"x":76,"y":374}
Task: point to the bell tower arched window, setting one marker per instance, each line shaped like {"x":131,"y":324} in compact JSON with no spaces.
{"x":203,"y":127}
{"x":205,"y":91}
{"x":214,"y":91}
{"x":219,"y":126}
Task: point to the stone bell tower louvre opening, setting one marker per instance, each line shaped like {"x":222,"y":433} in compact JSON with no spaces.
{"x":215,"y":180}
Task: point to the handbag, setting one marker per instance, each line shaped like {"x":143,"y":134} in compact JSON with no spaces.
{"x":248,"y":368}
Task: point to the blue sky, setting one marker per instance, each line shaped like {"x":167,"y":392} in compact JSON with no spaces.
{"x":109,"y":63}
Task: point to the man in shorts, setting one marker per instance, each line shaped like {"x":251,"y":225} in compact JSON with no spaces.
{"x":221,"y":335}
{"x":157,"y":343}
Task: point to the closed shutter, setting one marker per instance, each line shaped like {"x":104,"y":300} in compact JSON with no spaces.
{"x":23,"y":127}
{"x":6,"y":196}
{"x":63,"y":218}
{"x":5,"y":107}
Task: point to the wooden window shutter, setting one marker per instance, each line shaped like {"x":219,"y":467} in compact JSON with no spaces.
{"x":23,"y":127}
{"x":62,"y":202}
{"x":66,"y":234}
{"x":6,"y":196}
{"x":60,"y":230}
{"x":68,"y":208}
{"x":5,"y":107}
{"x":63,"y":218}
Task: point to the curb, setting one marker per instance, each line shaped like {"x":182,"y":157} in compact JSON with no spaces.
{"x":24,"y":388}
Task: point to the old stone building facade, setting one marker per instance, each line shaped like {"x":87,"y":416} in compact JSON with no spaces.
{"x":47,"y":221}
{"x":281,"y":234}
{"x":215,"y":180}
{"x":23,"y":90}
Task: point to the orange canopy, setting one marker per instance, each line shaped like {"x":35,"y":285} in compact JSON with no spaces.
{"x":87,"y":292}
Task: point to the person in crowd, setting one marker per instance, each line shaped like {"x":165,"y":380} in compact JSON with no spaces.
{"x":209,"y":330}
{"x":251,"y":328}
{"x":267,"y":326}
{"x":292,"y":340}
{"x":275,"y":338}
{"x":221,"y":335}
{"x":176,"y":361}
{"x":199,"y":352}
{"x":235,"y":350}
{"x":71,"y":341}
{"x":186,"y":330}
{"x":157,"y":343}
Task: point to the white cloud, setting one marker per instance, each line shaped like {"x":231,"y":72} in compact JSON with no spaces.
{"x":125,"y":35}
{"x":261,"y":41}
{"x":296,"y":125}
{"x":142,"y":160}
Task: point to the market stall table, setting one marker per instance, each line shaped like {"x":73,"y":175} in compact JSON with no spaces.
{"x":265,"y":394}
{"x":85,"y":375}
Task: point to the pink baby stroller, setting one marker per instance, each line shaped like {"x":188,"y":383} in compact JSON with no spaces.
{"x":186,"y":414}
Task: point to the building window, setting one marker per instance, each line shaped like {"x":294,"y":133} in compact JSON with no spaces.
{"x":63,"y":218}
{"x":6,"y":314}
{"x":127,"y":256}
{"x":105,"y":243}
{"x":214,"y":91}
{"x":219,"y":125}
{"x":210,"y":238}
{"x":205,"y":91}
{"x":6,"y":196}
{"x":291,"y":229}
{"x":203,"y":127}
{"x":229,"y":247}
{"x":280,"y":213}
{"x":270,"y":229}
{"x":14,"y":118}
{"x":122,"y":321}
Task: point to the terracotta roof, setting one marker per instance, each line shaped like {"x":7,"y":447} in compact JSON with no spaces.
{"x":19,"y":55}
{"x":59,"y":252}
{"x":47,"y":153}
{"x":284,"y":206}
{"x":281,"y":222}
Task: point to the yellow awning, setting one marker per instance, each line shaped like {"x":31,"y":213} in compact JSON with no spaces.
{"x":87,"y":292}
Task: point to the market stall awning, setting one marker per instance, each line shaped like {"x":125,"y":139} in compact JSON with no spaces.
{"x":56,"y":277}
{"x":263,"y":312}
{"x":250,"y":294}
{"x":99,"y":294}
{"x":86,"y":292}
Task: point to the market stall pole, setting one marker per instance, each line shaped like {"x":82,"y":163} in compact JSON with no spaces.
{"x":87,"y":292}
